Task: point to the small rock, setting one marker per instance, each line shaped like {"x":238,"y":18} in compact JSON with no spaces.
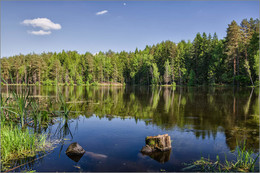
{"x":75,"y":151}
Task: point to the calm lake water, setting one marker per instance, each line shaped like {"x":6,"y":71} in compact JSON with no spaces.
{"x":111,"y":124}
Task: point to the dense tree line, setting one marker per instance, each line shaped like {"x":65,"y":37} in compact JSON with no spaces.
{"x":204,"y":61}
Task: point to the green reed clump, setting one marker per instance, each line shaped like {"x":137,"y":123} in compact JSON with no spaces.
{"x":17,"y":143}
{"x":245,"y":162}
{"x":65,"y":109}
{"x":22,"y":102}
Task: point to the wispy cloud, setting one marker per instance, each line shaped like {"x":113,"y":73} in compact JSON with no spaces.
{"x":101,"y":12}
{"x":40,"y":32}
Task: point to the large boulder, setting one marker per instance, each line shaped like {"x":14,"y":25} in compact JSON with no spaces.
{"x":157,"y":143}
{"x":75,"y":151}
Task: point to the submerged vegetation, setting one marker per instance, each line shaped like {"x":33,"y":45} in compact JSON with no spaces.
{"x":207,"y":60}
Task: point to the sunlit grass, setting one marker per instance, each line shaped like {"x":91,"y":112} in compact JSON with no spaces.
{"x":17,"y":143}
{"x":245,"y":162}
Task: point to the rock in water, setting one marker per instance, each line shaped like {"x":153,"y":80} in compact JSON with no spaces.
{"x":157,"y":143}
{"x":75,"y":151}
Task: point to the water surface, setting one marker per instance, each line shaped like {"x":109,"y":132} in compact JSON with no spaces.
{"x":111,"y":124}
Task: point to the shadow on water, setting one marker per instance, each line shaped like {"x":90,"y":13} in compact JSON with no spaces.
{"x":203,"y":112}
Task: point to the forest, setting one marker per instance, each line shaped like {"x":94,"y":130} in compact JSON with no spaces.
{"x":207,"y":60}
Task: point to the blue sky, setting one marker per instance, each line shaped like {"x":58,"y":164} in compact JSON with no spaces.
{"x":121,"y":25}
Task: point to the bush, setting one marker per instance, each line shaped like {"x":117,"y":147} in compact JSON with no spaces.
{"x":191,"y":78}
{"x":94,"y":83}
{"x":79,"y":80}
{"x":48,"y":82}
{"x":71,"y":82}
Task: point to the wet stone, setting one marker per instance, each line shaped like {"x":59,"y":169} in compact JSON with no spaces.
{"x":75,"y":151}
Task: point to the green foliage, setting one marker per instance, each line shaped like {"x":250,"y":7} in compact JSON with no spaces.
{"x":173,"y":84}
{"x":94,"y":83}
{"x":155,"y":74}
{"x":71,"y":82}
{"x":48,"y":82}
{"x":17,"y":143}
{"x":256,"y":65}
{"x":79,"y":80}
{"x":206,"y":60}
{"x":245,"y":162}
{"x":167,"y":72}
{"x":191,"y":78}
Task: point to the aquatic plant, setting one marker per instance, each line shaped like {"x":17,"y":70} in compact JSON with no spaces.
{"x":3,"y":103}
{"x":65,"y":109}
{"x":22,"y":103}
{"x":17,"y":143}
{"x":245,"y":162}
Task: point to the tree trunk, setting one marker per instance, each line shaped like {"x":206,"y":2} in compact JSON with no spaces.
{"x":17,"y":77}
{"x":238,"y":67}
{"x":39,"y":78}
{"x":249,"y":68}
{"x":234,"y":73}
{"x":179,"y":76}
{"x":25,"y":75}
{"x":34,"y":78}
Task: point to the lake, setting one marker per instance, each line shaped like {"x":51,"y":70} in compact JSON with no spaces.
{"x":111,"y":124}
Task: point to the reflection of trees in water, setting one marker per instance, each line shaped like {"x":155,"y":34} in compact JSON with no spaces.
{"x":201,"y":110}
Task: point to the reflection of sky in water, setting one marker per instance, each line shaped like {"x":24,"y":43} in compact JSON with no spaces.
{"x":121,"y":141}
{"x":201,"y":122}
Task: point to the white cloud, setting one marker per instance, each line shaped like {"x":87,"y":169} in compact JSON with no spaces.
{"x":44,"y":23}
{"x":40,"y":32}
{"x":101,"y":12}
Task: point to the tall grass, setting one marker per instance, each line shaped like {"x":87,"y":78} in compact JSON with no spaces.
{"x":17,"y":143}
{"x":22,"y":102}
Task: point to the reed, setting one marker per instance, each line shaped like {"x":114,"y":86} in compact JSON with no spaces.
{"x":65,"y":109}
{"x":22,"y":102}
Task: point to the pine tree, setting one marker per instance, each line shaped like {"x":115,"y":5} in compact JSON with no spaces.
{"x":167,"y":72}
{"x":232,"y":44}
